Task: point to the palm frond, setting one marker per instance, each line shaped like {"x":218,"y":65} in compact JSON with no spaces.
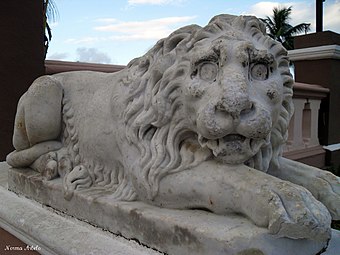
{"x":298,"y":29}
{"x":50,"y":13}
{"x":278,"y":26}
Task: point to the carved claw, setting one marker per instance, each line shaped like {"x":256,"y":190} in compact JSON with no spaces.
{"x":47,"y":165}
{"x":64,"y":166}
{"x":51,"y":170}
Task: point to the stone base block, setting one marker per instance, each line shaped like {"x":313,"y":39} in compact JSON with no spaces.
{"x":169,"y":231}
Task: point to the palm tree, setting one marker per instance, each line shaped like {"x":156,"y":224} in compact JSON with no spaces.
{"x":50,"y":13}
{"x":279,"y":29}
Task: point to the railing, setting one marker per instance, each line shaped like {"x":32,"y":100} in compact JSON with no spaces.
{"x":55,"y":66}
{"x":303,"y":143}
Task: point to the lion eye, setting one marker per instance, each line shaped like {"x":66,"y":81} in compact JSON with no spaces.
{"x":259,"y":72}
{"x":208,"y":71}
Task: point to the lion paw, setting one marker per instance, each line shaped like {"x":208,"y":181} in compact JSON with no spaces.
{"x":327,"y":191}
{"x":53,"y":164}
{"x":295,"y":213}
{"x":324,"y":185}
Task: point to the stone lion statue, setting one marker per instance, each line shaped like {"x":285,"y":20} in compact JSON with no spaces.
{"x":198,"y":122}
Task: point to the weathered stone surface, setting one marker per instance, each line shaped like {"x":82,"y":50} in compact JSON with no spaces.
{"x":171,"y":231}
{"x":199,"y":121}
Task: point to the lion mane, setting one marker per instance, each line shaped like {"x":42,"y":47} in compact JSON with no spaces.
{"x":155,"y":82}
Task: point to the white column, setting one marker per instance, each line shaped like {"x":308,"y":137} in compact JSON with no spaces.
{"x":299,"y":105}
{"x":314,"y":106}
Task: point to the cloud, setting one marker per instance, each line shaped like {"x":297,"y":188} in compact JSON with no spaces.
{"x":331,"y":18}
{"x":263,"y":9}
{"x":85,"y":40}
{"x":153,"y":2}
{"x":116,"y":30}
{"x":92,"y":55}
{"x":53,"y":24}
{"x":106,"y":20}
{"x":144,"y":30}
{"x":302,"y":12}
{"x":58,"y":56}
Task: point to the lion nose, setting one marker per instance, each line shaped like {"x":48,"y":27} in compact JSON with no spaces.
{"x":235,"y":104}
{"x":234,"y":99}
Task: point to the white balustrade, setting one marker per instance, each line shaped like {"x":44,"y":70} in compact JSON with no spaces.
{"x":303,"y":128}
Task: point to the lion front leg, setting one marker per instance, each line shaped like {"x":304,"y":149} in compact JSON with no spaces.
{"x":324,"y":185}
{"x":37,"y":122}
{"x":286,"y":209}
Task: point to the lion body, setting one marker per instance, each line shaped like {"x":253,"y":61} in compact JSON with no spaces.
{"x":143,"y":118}
{"x":93,"y":131}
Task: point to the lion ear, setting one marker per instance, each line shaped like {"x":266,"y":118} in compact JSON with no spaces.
{"x":173,"y":42}
{"x":250,"y":23}
{"x":179,"y":38}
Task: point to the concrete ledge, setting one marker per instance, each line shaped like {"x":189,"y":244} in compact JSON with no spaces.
{"x":171,"y":231}
{"x":313,"y":156}
{"x":310,"y":91}
{"x":313,"y":53}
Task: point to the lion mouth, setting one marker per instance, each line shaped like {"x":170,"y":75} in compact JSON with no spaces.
{"x":212,"y":143}
{"x":232,"y":148}
{"x":231,"y":138}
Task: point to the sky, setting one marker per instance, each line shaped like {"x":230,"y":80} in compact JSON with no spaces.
{"x":116,"y":31}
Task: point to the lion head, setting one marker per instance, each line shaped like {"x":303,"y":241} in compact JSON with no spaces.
{"x":220,"y":92}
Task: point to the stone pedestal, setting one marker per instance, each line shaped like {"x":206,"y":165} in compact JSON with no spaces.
{"x":169,"y":231}
{"x":316,"y":58}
